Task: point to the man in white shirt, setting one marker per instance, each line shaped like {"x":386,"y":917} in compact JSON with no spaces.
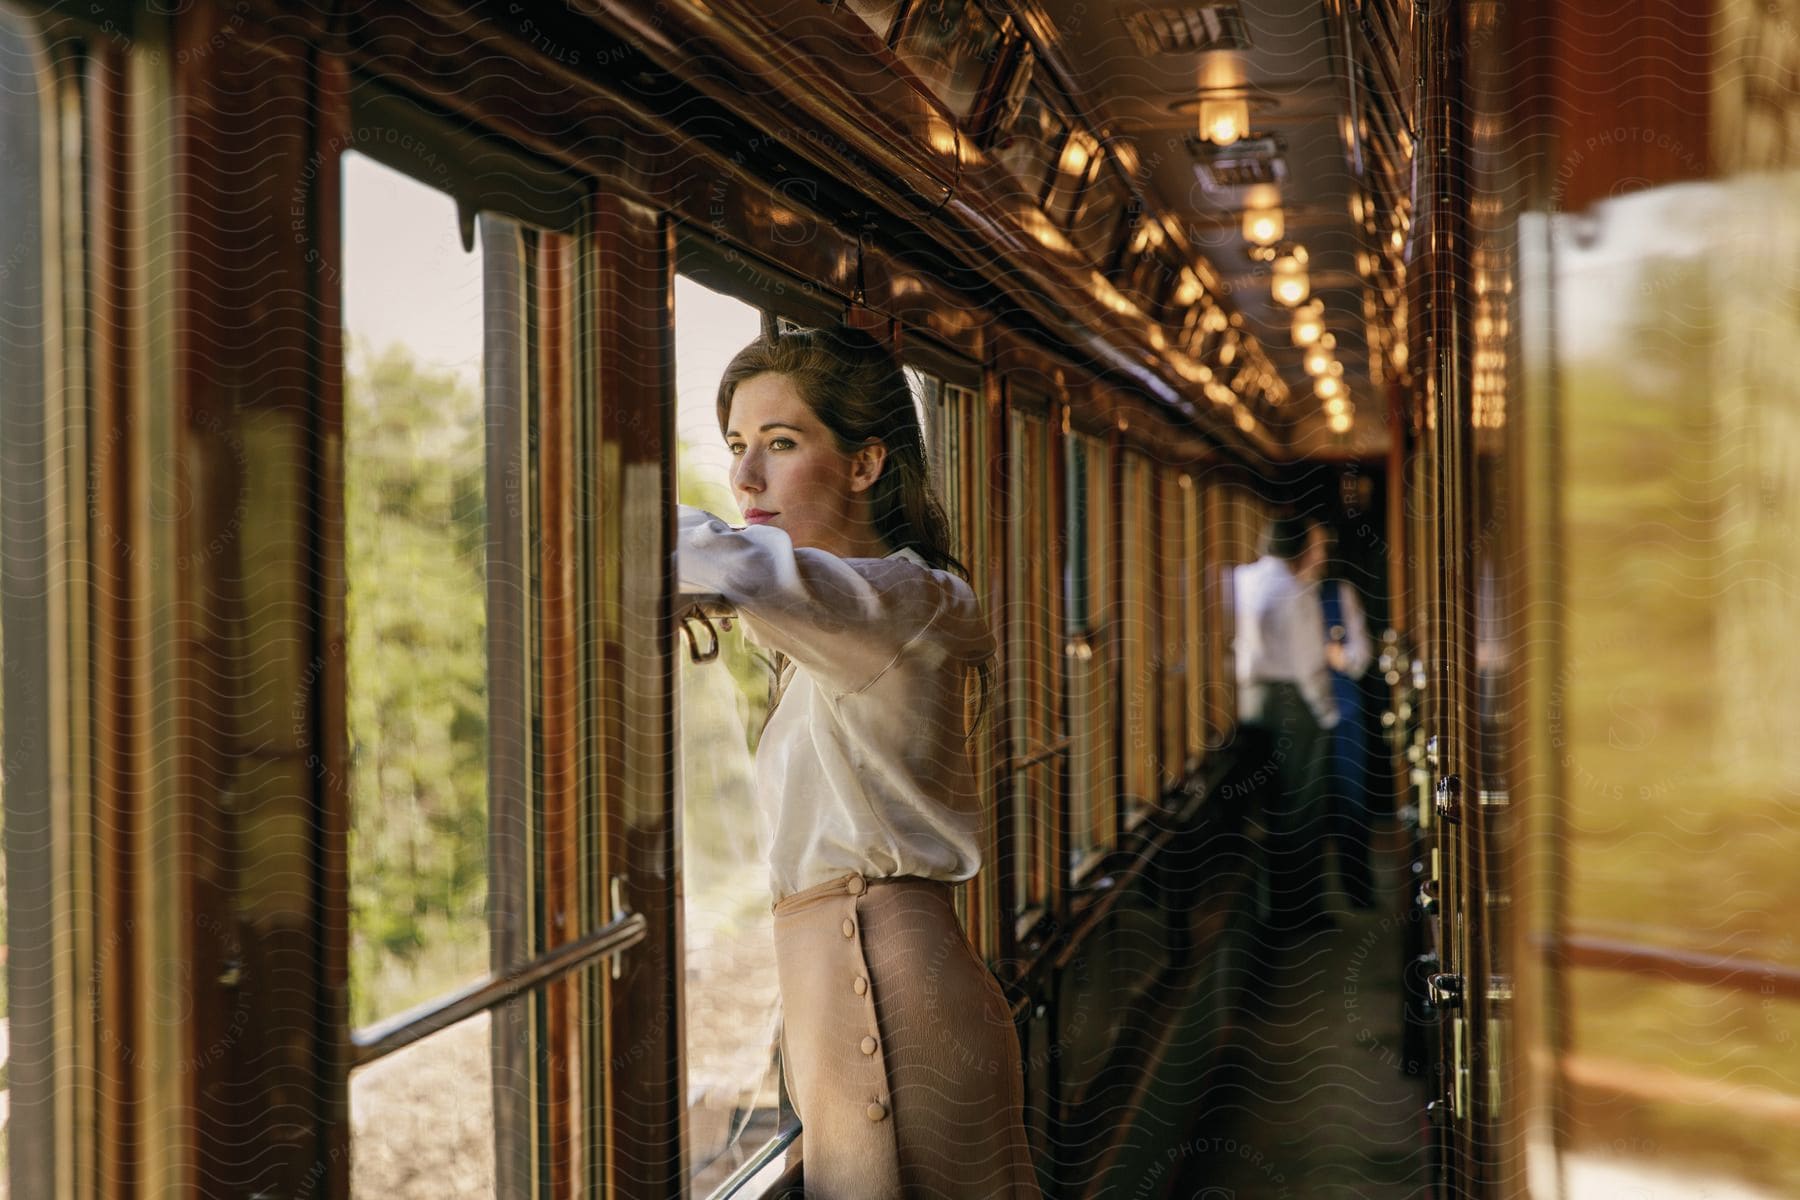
{"x":1284,"y":696}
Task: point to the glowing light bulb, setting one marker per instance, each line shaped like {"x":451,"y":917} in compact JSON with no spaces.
{"x":1287,"y":280}
{"x":1318,"y":357}
{"x":1290,"y":288}
{"x":1263,"y":226}
{"x":1224,"y":120}
{"x":1309,"y":323}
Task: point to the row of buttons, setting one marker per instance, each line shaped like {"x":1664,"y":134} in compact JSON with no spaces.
{"x":856,"y":886}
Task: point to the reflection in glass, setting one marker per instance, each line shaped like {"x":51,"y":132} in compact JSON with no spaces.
{"x":1079,"y":161}
{"x":733,"y":1080}
{"x":1034,"y":647}
{"x":1031,"y":144}
{"x":1104,"y":207}
{"x":1088,"y":521}
{"x":415,"y":519}
{"x":955,"y":447}
{"x":877,"y":14}
{"x":951,"y":44}
{"x":1136,"y":628}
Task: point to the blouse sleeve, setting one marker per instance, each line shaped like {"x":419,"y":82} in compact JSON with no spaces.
{"x":1358,"y":651}
{"x":846,"y":620}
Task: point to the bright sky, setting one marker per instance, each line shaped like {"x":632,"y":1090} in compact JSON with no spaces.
{"x":709,"y":329}
{"x":407,"y":278}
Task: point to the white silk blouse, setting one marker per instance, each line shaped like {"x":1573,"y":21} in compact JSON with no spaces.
{"x":863,"y":766}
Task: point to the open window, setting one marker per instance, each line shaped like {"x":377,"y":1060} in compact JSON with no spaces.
{"x":735,"y":1106}
{"x":472,"y":936}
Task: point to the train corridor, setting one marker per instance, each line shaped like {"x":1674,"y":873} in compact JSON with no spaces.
{"x":1312,"y":1101}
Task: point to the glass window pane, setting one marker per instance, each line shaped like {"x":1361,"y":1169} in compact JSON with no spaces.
{"x":1033,"y":670}
{"x":876,"y":14}
{"x":1104,"y":207}
{"x":422,"y":1119}
{"x":1074,"y":167}
{"x":1091,"y":697}
{"x":954,"y":450}
{"x":1136,"y":632}
{"x":416,"y":540}
{"x":1029,"y":145}
{"x":1199,"y":665}
{"x":733,"y":1078}
{"x":1172,"y":657}
{"x":950,"y":44}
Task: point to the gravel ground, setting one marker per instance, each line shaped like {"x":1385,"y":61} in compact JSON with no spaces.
{"x":422,"y":1120}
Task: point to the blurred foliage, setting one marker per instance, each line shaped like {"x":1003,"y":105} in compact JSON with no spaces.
{"x":415,"y":536}
{"x":750,"y":667}
{"x":1682,"y":831}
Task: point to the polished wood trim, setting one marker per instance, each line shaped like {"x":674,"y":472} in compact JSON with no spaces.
{"x":253,"y":652}
{"x":1660,"y":963}
{"x":1633,"y":93}
{"x":111,"y":381}
{"x":1639,"y":1083}
{"x":329,"y":1137}
{"x":557,"y":774}
{"x":633,"y":585}
{"x":755,"y":73}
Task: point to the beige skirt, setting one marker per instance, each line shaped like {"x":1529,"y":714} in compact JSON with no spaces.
{"x":897,"y":1046}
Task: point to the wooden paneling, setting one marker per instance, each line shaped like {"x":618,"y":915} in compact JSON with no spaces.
{"x":634,"y":671}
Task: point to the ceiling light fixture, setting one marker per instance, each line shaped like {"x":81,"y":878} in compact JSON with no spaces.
{"x":1309,"y":322}
{"x":1318,"y":357}
{"x":1224,"y":118}
{"x":1263,"y":226}
{"x":1288,"y":283}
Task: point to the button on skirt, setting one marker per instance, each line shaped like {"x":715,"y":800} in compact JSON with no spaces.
{"x":897,"y":1046}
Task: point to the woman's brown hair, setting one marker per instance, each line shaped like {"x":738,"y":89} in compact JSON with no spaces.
{"x":858,"y":390}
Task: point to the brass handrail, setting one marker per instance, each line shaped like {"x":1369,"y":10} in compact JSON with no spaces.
{"x":396,"y":1033}
{"x":1675,"y":966}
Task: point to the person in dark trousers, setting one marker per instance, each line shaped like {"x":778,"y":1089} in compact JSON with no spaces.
{"x":1285,"y":702}
{"x":1348,"y":652}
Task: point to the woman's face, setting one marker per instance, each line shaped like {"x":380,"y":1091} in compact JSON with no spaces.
{"x":787,"y":470}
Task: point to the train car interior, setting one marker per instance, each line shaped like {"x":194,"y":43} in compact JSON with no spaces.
{"x":379,"y":809}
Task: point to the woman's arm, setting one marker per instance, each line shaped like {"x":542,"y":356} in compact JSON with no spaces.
{"x":846,"y":620}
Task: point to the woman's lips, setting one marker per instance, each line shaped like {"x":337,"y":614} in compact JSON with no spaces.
{"x":756,"y":516}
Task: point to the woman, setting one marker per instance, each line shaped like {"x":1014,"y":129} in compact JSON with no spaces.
{"x":1348,"y":651}
{"x":897,"y":1044}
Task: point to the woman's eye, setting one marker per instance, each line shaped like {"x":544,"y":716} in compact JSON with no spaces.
{"x":736,"y":448}
{"x":781,"y":444}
